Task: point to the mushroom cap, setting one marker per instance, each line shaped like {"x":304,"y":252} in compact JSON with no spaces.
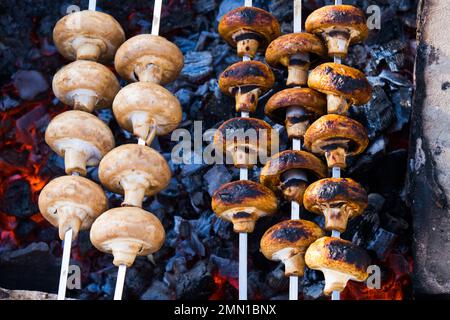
{"x":295,"y":234}
{"x":333,"y":126}
{"x":88,"y":24}
{"x":338,"y":17}
{"x":335,"y":190}
{"x":246,"y":73}
{"x":250,"y":19}
{"x":340,"y":80}
{"x":79,"y":126}
{"x":127,"y":227}
{"x":138,"y":160}
{"x":312,"y":101}
{"x":88,"y":77}
{"x":338,"y":255}
{"x":75,"y":192}
{"x":287,"y":160}
{"x":280,"y":49}
{"x":156,"y":101}
{"x":146,"y":49}
{"x":244,"y":193}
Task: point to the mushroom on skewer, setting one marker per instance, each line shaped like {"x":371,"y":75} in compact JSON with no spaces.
{"x":287,"y":241}
{"x":85,"y":85}
{"x":249,"y":29}
{"x":340,"y":26}
{"x":336,"y":137}
{"x":81,"y":138}
{"x":288,"y":172}
{"x":71,"y":202}
{"x":295,"y":51}
{"x":243,"y":202}
{"x":135,"y":171}
{"x":246,"y":81}
{"x":88,"y":35}
{"x":147,"y":109}
{"x":338,"y":199}
{"x":126,"y":233}
{"x":149,"y":58}
{"x":296,"y":108}
{"x":245,"y":140}
{"x":343,"y":85}
{"x":339,"y":260}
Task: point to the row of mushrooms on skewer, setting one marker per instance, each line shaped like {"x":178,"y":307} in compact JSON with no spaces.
{"x":144,"y":108}
{"x":313,"y":109}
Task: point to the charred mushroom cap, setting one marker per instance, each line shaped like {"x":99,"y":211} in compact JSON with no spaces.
{"x":243,"y":202}
{"x":338,"y":199}
{"x":273,"y":174}
{"x":88,"y":35}
{"x":249,"y":28}
{"x":135,"y":171}
{"x":340,"y":26}
{"x":295,"y":51}
{"x":127,"y":232}
{"x":287,"y":241}
{"x":147,"y":109}
{"x":245,"y":140}
{"x":246,"y":81}
{"x":296,"y":108}
{"x":343,"y":85}
{"x":336,"y":137}
{"x":72,"y":202}
{"x":81,"y":138}
{"x":149,"y":58}
{"x":339,"y":260}
{"x":85,"y":85}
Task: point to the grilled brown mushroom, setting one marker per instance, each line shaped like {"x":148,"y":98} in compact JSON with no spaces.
{"x":338,"y":199}
{"x":296,"y":108}
{"x":88,"y":35}
{"x":249,"y":28}
{"x":72,"y":202}
{"x":243,"y":202}
{"x":288,"y":172}
{"x":295,"y":51}
{"x":246,"y":81}
{"x":245,"y":140}
{"x":339,"y":260}
{"x":336,"y":137}
{"x":340,"y":26}
{"x":135,"y":171}
{"x":344,"y":86}
{"x":85,"y":85}
{"x":81,"y":138}
{"x":127,"y":232}
{"x":149,"y":58}
{"x":147,"y":109}
{"x":287,"y":241}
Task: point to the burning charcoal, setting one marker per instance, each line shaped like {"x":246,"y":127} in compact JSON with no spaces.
{"x":215,"y":177}
{"x":7,"y":103}
{"x":185,"y":44}
{"x":197,"y":283}
{"x":197,"y":66}
{"x":227,"y":267}
{"x":17,"y":199}
{"x":137,"y":278}
{"x":25,"y":227}
{"x":382,"y":242}
{"x":157,"y":291}
{"x":281,"y":9}
{"x":185,"y":97}
{"x":30,"y":83}
{"x":205,"y":6}
{"x":313,"y":291}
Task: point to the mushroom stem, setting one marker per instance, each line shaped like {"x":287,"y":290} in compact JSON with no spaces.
{"x":70,"y":217}
{"x":84,"y":102}
{"x":75,"y":161}
{"x":247,"y":43}
{"x":334,"y":281}
{"x":144,"y":127}
{"x":336,"y":218}
{"x":244,"y":157}
{"x":294,"y":265}
{"x":336,"y":157}
{"x":243,"y":222}
{"x":247,"y":100}
{"x":88,"y":51}
{"x":124,"y":251}
{"x":338,"y":43}
{"x":337,"y":104}
{"x":134,"y":187}
{"x":294,"y":183}
{"x":298,"y":70}
{"x":295,"y":122}
{"x":149,"y":73}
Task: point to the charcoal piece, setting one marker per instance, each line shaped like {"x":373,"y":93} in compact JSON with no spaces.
{"x":158,"y":291}
{"x":30,"y":83}
{"x":402,"y":99}
{"x":7,"y":103}
{"x":17,"y":199}
{"x":205,"y":6}
{"x":197,"y":66}
{"x":226,"y":267}
{"x":196,"y":283}
{"x":216,"y":177}
{"x":382,"y":242}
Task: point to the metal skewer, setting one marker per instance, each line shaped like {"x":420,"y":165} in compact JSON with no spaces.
{"x":92,"y":5}
{"x":123,"y":268}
